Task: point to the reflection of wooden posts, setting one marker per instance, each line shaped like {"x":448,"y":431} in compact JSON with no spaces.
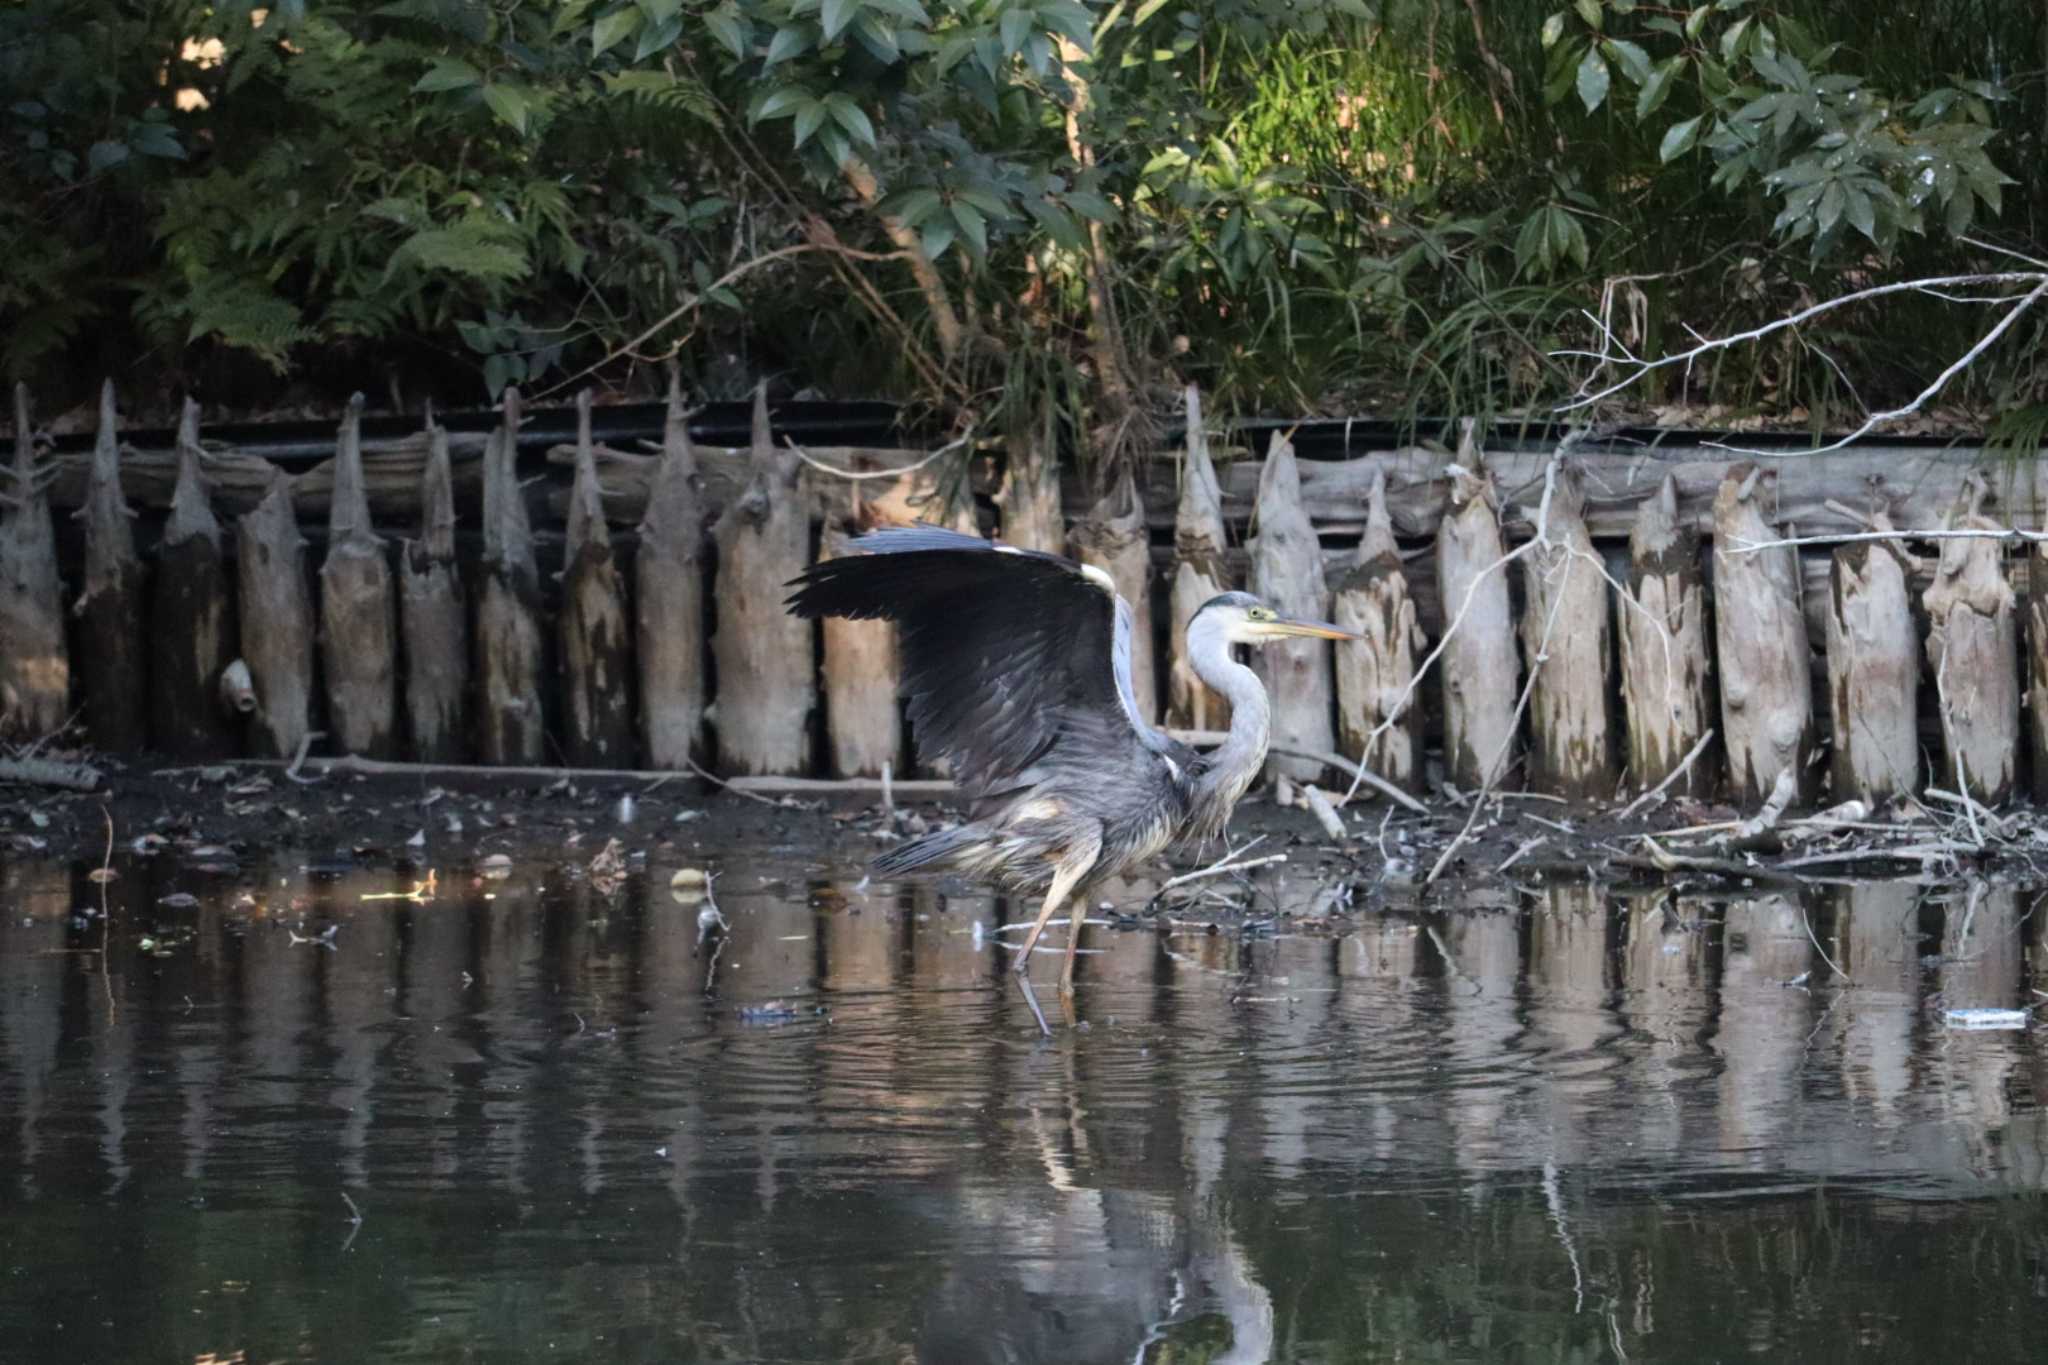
{"x":1873,"y":670}
{"x":1199,"y":543}
{"x":1665,"y":668}
{"x":1570,"y":976}
{"x":358,"y":616}
{"x":35,"y":665}
{"x":668,"y":598}
{"x":1766,"y":668}
{"x":597,"y":646}
{"x":1376,"y":675}
{"x":1760,"y":1030}
{"x":1113,"y":538}
{"x":1665,"y":1002}
{"x":435,"y":619}
{"x":276,"y":619}
{"x":1480,"y":988}
{"x":511,"y":724}
{"x":1973,"y":648}
{"x":1287,"y":574}
{"x":1568,"y":641}
{"x":766,"y":659}
{"x":191,"y":614}
{"x":1478,"y":661}
{"x":1980,"y":967}
{"x":109,"y":609}
{"x":1878,"y":926}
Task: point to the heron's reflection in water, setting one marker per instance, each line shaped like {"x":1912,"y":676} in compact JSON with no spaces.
{"x":1509,"y":1124}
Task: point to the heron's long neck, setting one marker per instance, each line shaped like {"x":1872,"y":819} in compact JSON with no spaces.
{"x":1233,"y":764}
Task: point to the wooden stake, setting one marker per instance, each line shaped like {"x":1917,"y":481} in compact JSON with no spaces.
{"x":191,"y":609}
{"x":109,"y":609}
{"x":1479,"y":666}
{"x":1112,"y":537}
{"x":35,"y":664}
{"x":766,"y":683}
{"x":1666,"y":672}
{"x":1760,"y":633}
{"x":1371,"y":598}
{"x":597,"y":644}
{"x":2037,"y":670}
{"x":511,"y":720}
{"x":1287,"y":574}
{"x":434,"y":618}
{"x":1030,"y":494}
{"x":668,"y":598}
{"x":276,"y":619}
{"x":358,"y":615}
{"x":1568,"y":640}
{"x":1973,"y":647}
{"x":1873,"y":670}
{"x":1199,"y":544}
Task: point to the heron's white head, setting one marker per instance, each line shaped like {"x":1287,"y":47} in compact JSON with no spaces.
{"x":1238,"y":618}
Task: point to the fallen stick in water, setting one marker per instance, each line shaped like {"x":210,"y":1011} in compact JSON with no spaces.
{"x":47,"y":772}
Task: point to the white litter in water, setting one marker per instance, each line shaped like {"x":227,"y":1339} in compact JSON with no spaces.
{"x":1986,"y":1019}
{"x":626,"y":810}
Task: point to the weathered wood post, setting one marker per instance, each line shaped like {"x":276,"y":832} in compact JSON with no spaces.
{"x":2037,"y":669}
{"x":511,"y":721}
{"x":1568,"y":641}
{"x":1030,"y":494}
{"x":668,"y":598}
{"x":276,"y":619}
{"x":597,"y":644}
{"x":35,"y":664}
{"x":1376,"y":683}
{"x":1287,"y":574}
{"x":109,"y":609}
{"x":1113,"y":538}
{"x":1666,"y":669}
{"x":1199,"y":544}
{"x":1873,"y":669}
{"x":434,"y":619}
{"x":1760,"y":634}
{"x":767,"y":686}
{"x":358,"y":615}
{"x":1479,"y":665}
{"x":1973,"y":648}
{"x":191,"y":608}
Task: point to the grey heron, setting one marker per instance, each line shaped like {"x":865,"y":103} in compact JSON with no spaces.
{"x":1017,"y":669}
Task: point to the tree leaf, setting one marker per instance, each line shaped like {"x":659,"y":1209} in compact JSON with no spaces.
{"x":910,"y":207}
{"x":851,"y":117}
{"x":1633,"y":61}
{"x":972,"y":225}
{"x":788,"y":41}
{"x":1089,"y":204}
{"x":727,"y":26}
{"x":1015,"y":27}
{"x":509,"y":103}
{"x":1593,"y":79}
{"x":807,"y":120}
{"x":1553,"y":29}
{"x":781,"y":103}
{"x":1679,"y":139}
{"x":105,"y":155}
{"x":448,"y":73}
{"x":835,"y":15}
{"x":614,"y":28}
{"x":1657,"y":89}
{"x":1590,"y":11}
{"x":938,"y":234}
{"x":1861,"y":214}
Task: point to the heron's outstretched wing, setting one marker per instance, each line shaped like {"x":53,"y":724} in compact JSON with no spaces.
{"x":1003,"y":649}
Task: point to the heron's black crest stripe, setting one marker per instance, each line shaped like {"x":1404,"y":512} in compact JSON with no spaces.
{"x":1003,"y":650}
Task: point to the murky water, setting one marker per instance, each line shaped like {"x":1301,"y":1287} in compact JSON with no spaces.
{"x":1574,"y":1127}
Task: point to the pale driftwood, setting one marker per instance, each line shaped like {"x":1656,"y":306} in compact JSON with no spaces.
{"x":1973,"y":649}
{"x":511,"y":722}
{"x":276,"y":613}
{"x":49,"y":772}
{"x":1765,"y":665}
{"x":1029,"y":498}
{"x":1376,"y":676}
{"x":1287,"y":574}
{"x":1567,"y":638}
{"x":35,"y":664}
{"x":1873,"y":662}
{"x":2037,"y":671}
{"x":358,"y":614}
{"x":668,"y":598}
{"x":434,"y":618}
{"x":109,"y":607}
{"x":1197,"y":574}
{"x":192,"y":606}
{"x":766,"y":684}
{"x":1666,"y":686}
{"x":1478,"y":664}
{"x":596,"y":643}
{"x":863,"y":716}
{"x":1113,"y":538}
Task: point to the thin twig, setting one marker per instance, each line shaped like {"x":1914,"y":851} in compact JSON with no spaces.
{"x":1684,"y":764}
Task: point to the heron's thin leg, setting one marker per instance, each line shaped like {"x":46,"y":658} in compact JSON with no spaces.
{"x":1064,"y":875}
{"x":1076,"y":917}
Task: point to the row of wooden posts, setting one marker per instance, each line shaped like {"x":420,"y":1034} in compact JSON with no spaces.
{"x":1550,"y":667}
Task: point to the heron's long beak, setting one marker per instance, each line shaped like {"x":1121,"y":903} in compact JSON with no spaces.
{"x":1315,"y":629}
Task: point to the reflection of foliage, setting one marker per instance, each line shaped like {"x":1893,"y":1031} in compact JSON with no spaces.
{"x":1296,"y":202}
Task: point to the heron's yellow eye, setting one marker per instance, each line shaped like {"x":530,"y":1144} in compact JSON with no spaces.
{"x":1258,"y":614}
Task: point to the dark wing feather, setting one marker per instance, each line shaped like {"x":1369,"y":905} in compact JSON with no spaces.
{"x":1001,"y":647}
